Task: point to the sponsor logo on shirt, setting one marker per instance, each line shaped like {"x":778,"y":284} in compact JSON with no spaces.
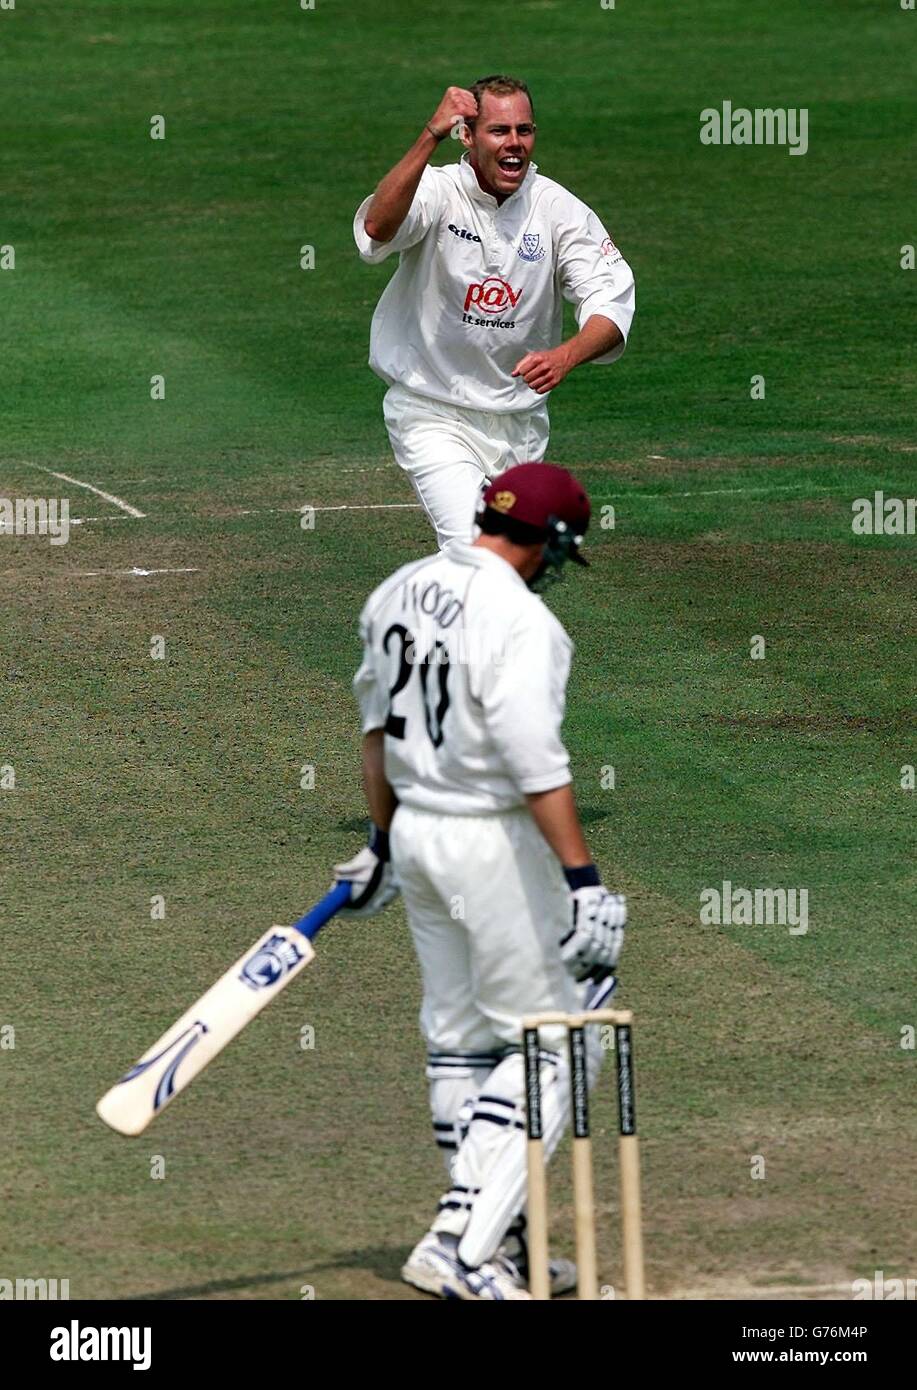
{"x":492,"y":296}
{"x":463,"y":233}
{"x":530,"y":247}
{"x":610,"y":251}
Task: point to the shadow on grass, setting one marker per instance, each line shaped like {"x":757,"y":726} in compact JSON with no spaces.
{"x":384,"y":1262}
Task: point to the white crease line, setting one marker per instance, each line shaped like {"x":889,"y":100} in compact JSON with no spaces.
{"x":106,"y":496}
{"x":308,"y":507}
{"x":762,"y":1291}
{"x":718,"y":492}
{"x":134,"y":514}
{"x":250,"y":511}
{"x":364,"y":507}
{"x":134,"y":571}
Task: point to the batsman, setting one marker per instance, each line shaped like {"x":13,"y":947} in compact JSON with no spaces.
{"x":461,"y":691}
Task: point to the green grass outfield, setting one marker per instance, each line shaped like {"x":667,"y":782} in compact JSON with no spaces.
{"x":287,"y":1167}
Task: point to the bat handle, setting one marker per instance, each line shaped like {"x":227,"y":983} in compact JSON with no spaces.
{"x":332,"y":902}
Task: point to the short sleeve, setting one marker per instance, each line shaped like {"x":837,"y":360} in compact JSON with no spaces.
{"x":421,"y":216}
{"x":370,"y":697}
{"x":522,"y":698}
{"x":595,"y":277}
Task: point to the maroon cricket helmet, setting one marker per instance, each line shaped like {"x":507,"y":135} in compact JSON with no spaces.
{"x":545,"y":497}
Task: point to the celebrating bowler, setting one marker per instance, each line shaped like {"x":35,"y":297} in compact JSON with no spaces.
{"x":468,"y":331}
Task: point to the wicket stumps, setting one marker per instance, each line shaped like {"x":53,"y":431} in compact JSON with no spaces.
{"x":583,"y":1186}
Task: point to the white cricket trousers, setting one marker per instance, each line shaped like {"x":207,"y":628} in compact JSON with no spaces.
{"x":450,"y":452}
{"x":487,"y":904}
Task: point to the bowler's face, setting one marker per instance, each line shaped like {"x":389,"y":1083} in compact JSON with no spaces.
{"x":501,"y":142}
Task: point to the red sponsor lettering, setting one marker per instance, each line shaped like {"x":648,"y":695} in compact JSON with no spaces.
{"x":492,"y":295}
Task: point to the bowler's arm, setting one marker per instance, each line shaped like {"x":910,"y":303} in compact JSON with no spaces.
{"x":601,"y":289}
{"x":542,"y":371}
{"x":393,"y":198}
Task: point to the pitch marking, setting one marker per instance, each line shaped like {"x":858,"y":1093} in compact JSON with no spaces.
{"x":106,"y":496}
{"x":716,"y":492}
{"x":132,"y":513}
{"x":737,"y":1289}
{"x":135,"y":570}
{"x":134,"y":573}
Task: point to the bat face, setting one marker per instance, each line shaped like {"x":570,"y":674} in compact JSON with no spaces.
{"x":182,"y":1052}
{"x":171,"y":1058}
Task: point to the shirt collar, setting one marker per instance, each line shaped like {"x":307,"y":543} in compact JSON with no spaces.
{"x":475,"y":191}
{"x":464,"y":554}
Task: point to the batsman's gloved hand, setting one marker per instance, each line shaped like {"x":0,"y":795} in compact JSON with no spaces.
{"x":371,"y":877}
{"x":591,"y":947}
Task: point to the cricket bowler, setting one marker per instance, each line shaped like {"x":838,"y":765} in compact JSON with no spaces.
{"x":461,"y":691}
{"x":467,"y":333}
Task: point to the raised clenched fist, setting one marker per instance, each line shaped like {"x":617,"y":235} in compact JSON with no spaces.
{"x":456,"y":107}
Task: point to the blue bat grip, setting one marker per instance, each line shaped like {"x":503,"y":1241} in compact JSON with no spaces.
{"x":332,"y":902}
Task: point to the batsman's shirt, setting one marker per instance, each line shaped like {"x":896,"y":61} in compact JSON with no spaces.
{"x":466,"y":671}
{"x":479,"y":285}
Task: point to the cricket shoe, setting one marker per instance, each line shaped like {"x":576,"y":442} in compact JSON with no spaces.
{"x":434,"y":1267}
{"x":514,"y":1253}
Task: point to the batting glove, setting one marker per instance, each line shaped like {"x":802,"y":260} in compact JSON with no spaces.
{"x":371,"y":877}
{"x":591,"y":947}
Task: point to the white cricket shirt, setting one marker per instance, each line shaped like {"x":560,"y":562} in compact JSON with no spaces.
{"x":479,"y":285}
{"x":466,"y":671}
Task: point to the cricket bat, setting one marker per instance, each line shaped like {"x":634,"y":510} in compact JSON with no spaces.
{"x":175,"y":1060}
